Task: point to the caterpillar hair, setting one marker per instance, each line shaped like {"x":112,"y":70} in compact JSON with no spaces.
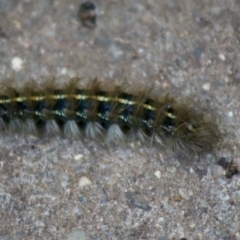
{"x":114,"y":114}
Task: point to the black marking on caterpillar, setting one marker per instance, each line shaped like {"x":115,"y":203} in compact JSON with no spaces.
{"x":115,"y":113}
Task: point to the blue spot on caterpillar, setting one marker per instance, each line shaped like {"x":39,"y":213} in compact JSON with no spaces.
{"x":115,"y":114}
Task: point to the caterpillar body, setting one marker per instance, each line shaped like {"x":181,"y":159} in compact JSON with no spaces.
{"x":115,"y":114}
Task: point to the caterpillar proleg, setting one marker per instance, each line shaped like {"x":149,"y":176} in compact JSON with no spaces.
{"x":114,"y":114}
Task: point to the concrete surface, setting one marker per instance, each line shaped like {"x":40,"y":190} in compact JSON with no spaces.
{"x":53,"y":188}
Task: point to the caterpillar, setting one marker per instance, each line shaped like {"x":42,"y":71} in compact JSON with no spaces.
{"x":112,"y":114}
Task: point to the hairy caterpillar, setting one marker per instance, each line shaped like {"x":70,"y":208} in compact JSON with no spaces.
{"x":110,"y":113}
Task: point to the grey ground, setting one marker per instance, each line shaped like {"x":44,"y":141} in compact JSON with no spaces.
{"x":133,"y":192}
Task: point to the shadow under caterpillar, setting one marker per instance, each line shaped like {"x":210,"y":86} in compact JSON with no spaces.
{"x":114,"y":114}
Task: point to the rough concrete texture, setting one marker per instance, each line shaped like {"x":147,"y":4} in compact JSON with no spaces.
{"x":54,"y":188}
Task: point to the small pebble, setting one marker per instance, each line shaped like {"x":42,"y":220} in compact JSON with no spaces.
{"x":112,"y":180}
{"x":64,"y":180}
{"x":63,"y":71}
{"x":223,"y":162}
{"x":177,"y":198}
{"x":191,"y":170}
{"x":17,"y":64}
{"x":206,"y":86}
{"x":157,"y":174}
{"x":230,"y":114}
{"x":84,"y":182}
{"x":77,"y":234}
{"x":222,"y":57}
{"x":78,"y":157}
{"x":137,"y":201}
{"x":87,"y":14}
